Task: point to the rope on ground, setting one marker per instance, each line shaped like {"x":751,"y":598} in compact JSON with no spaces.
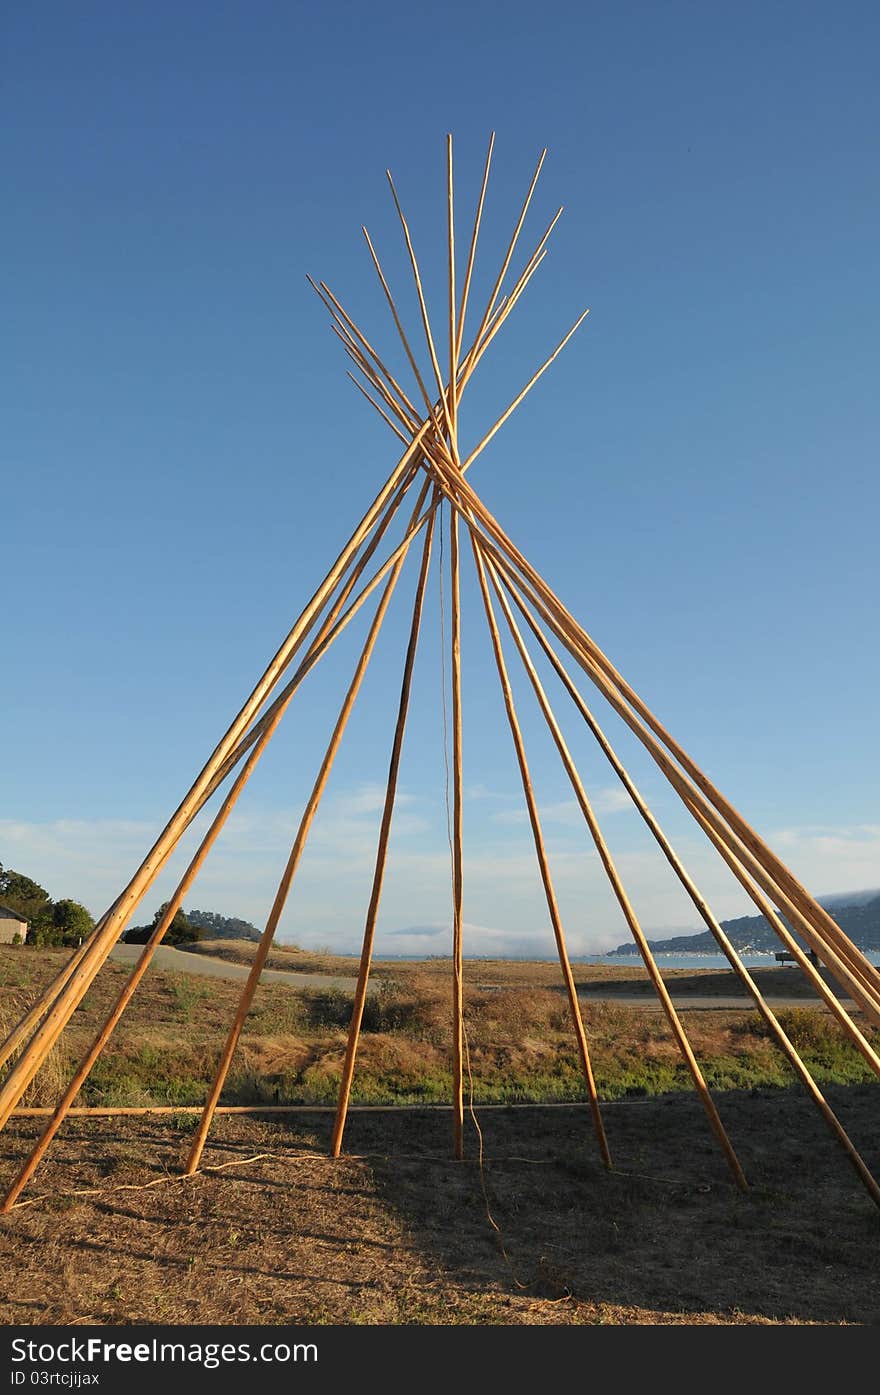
{"x":305,"y":1156}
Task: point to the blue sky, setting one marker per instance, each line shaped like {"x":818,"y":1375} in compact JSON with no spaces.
{"x":182,"y":455}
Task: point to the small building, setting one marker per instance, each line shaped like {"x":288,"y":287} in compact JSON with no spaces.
{"x":11,"y":925}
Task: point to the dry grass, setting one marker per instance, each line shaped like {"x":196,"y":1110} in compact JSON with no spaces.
{"x":395,"y":1232}
{"x":520,"y":1038}
{"x":399,"y":1233}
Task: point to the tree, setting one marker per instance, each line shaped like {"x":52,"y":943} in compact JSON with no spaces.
{"x":223,"y":927}
{"x":72,"y":921}
{"x":21,"y":894}
{"x":180,"y":931}
{"x":63,"y":922}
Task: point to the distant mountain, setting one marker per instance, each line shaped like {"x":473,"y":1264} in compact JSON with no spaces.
{"x":858,"y":918}
{"x":223,"y":927}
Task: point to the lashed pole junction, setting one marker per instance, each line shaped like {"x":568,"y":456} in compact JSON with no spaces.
{"x":431,"y":472}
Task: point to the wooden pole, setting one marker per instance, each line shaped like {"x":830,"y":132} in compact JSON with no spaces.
{"x":98,"y":1045}
{"x":844,"y":970}
{"x":83,"y":1071}
{"x":492,"y":320}
{"x":528,"y":387}
{"x":403,"y":413}
{"x":857,"y":980}
{"x":787,"y":939}
{"x":809,"y":909}
{"x":457,"y":763}
{"x":478,"y":217}
{"x":499,"y":314}
{"x":451,"y":394}
{"x":426,"y":323}
{"x":268,"y":936}
{"x":381,"y":853}
{"x":435,"y":420}
{"x":620,"y":892}
{"x":100,"y":944}
{"x":49,"y":995}
{"x":543,"y":864}
{"x":347,"y":323}
{"x":22,"y":1030}
{"x":332,"y":634}
{"x":497,"y":320}
{"x":509,"y":254}
{"x":357,"y":342}
{"x":457,"y":852}
{"x":763,"y":905}
{"x":702,"y":907}
{"x":373,"y":403}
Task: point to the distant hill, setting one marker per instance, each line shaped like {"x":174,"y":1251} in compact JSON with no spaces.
{"x":223,"y":927}
{"x":751,"y":934}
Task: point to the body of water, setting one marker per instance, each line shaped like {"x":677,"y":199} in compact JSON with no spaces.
{"x":683,"y":961}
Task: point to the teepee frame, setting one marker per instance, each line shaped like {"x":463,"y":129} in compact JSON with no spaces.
{"x":432,"y":471}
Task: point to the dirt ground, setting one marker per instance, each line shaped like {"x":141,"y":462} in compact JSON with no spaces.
{"x":396,"y":1232}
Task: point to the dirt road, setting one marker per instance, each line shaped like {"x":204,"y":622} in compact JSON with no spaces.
{"x":177,"y":961}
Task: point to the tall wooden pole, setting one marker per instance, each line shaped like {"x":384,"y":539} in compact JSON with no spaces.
{"x":842,"y":964}
{"x":782,"y":1039}
{"x":809,"y":909}
{"x":860,"y":975}
{"x":26,"y":1025}
{"x":543,"y":865}
{"x":84,"y":1069}
{"x":324,"y":637}
{"x":102,"y":942}
{"x":620,"y":891}
{"x":455,"y":636}
{"x":250,"y":987}
{"x":457,"y":853}
{"x":508,"y":256}
{"x":804,"y":963}
{"x":472,"y":251}
{"x":98,"y":1045}
{"x":849,"y":977}
{"x":360,"y":996}
{"x":738,"y":868}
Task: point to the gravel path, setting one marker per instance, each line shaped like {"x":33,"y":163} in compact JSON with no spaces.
{"x":178,"y":961}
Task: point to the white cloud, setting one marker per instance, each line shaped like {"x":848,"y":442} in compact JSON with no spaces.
{"x":829,"y":860}
{"x":567,"y":812}
{"x":92,"y":860}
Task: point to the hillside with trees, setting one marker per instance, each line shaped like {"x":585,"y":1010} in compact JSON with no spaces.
{"x":181,"y":930}
{"x":66,"y":922}
{"x":753,"y":934}
{"x":223,"y":927}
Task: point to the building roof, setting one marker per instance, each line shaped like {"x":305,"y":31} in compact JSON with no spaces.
{"x":6,"y":913}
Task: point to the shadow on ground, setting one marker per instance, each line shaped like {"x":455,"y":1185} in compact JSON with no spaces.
{"x":398,"y":1232}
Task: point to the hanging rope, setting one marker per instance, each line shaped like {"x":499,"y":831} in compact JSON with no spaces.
{"x":464,"y":1035}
